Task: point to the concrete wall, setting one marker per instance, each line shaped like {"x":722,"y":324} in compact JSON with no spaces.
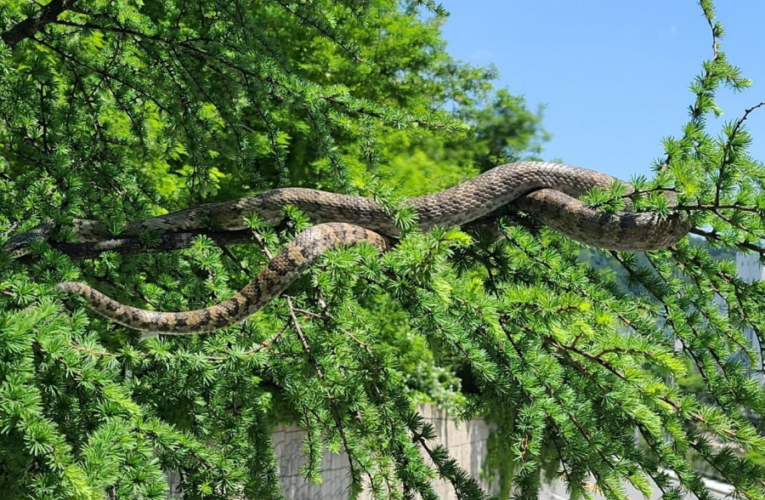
{"x":467,"y":443}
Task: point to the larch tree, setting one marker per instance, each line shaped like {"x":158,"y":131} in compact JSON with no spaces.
{"x":120,"y":110}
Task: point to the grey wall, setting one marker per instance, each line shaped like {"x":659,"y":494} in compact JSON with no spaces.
{"x":467,"y":443}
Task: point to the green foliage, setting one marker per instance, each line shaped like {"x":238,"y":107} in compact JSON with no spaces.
{"x":117,"y":111}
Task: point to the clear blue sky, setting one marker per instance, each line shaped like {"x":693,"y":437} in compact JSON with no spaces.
{"x":613,"y":74}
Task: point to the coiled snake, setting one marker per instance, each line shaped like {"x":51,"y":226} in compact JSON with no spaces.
{"x":547,"y":190}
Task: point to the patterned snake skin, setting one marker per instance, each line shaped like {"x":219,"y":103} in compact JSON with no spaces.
{"x":547,"y":190}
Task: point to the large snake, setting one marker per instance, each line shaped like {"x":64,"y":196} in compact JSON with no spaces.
{"x":547,"y":190}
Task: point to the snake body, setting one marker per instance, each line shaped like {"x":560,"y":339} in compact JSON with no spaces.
{"x":547,"y":190}
{"x":281,"y":271}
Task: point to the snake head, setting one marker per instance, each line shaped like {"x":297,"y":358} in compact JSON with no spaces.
{"x":19,"y":245}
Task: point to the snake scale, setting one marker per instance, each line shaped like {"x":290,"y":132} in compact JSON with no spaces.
{"x":547,"y":190}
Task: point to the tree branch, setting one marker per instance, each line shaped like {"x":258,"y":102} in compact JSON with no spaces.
{"x":133,"y":246}
{"x":35,"y":23}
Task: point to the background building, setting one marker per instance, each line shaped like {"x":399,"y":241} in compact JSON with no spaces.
{"x":749,"y":269}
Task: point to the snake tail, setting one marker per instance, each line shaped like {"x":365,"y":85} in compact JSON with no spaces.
{"x":279,"y":273}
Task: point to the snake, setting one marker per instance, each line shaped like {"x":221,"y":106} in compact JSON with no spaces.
{"x":548,"y":191}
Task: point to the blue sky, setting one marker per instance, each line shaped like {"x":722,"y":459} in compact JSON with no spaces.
{"x":613,"y":74}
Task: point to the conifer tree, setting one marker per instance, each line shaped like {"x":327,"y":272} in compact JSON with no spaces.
{"x":118,"y":111}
